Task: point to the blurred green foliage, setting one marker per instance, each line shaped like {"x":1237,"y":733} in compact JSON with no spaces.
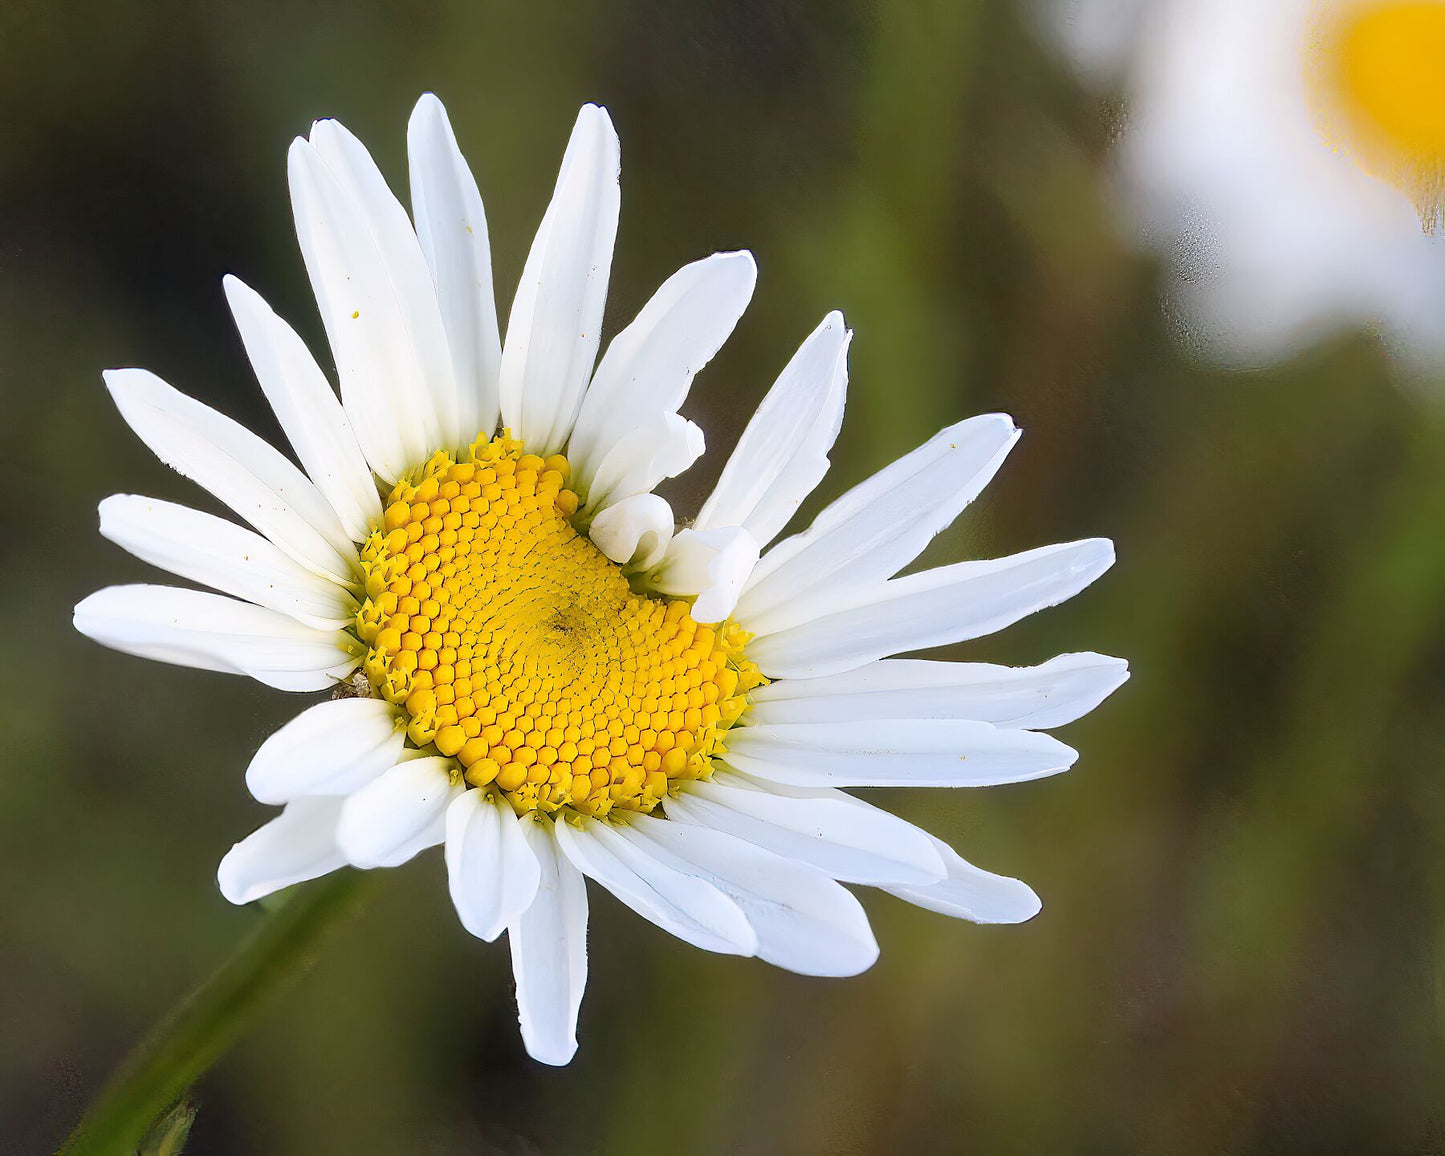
{"x":1241,"y":944}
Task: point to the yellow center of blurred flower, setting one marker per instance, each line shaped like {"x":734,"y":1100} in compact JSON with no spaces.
{"x":1381,"y":69}
{"x":516,"y":647}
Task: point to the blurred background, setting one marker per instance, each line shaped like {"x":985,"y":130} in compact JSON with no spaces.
{"x":1241,"y":944}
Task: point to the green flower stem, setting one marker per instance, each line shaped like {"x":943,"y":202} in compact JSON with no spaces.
{"x":208,"y":1021}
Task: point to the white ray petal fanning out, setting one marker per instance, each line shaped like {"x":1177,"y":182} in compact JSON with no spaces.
{"x":783,"y":453}
{"x":212,"y":632}
{"x":881,"y":525}
{"x":972,"y":893}
{"x":803,"y":920}
{"x":676,"y":900}
{"x":833,"y":831}
{"x":827,"y":634}
{"x":388,"y":401}
{"x":1034,"y":697}
{"x":549,"y":951}
{"x":307,"y":408}
{"x":299,"y":844}
{"x":492,"y":873}
{"x":896,"y":753}
{"x":333,"y":748}
{"x":398,"y":814}
{"x":225,"y":557}
{"x":248,"y":475}
{"x":648,"y":368}
{"x":452,"y":228}
{"x":554,"y":329}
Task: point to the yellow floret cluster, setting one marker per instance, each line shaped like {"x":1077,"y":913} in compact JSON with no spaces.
{"x":516,"y":647}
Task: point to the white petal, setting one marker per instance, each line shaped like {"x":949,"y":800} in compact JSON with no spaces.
{"x":634,"y":533}
{"x":299,"y":844}
{"x":881,"y":525}
{"x":387,"y":400}
{"x":549,"y":951}
{"x":491,"y":872}
{"x":664,"y":448}
{"x":211,"y":632}
{"x":240,"y":469}
{"x":783,"y":453}
{"x":307,"y":408}
{"x":712,"y":564}
{"x":225,"y":557}
{"x":332,"y":748}
{"x":972,"y":893}
{"x":952,"y":603}
{"x":836,"y":833}
{"x":677,"y":901}
{"x":899,"y":753}
{"x":556,"y":318}
{"x":397,"y":815}
{"x":1032,"y":697}
{"x":406,"y":270}
{"x":452,"y":227}
{"x":648,"y":367}
{"x":804,"y":921}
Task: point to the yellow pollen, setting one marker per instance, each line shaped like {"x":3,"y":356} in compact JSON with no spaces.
{"x":518,"y":649}
{"x":1379,"y":78}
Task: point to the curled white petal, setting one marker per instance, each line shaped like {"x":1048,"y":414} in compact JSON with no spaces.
{"x":663,"y":448}
{"x":398,"y":814}
{"x":634,"y":533}
{"x":711,"y":564}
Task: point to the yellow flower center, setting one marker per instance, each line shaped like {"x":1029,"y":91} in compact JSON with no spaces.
{"x":516,"y":647}
{"x":1379,"y":68}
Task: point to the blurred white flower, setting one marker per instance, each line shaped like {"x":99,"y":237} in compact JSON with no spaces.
{"x":518,"y":640}
{"x":1287,"y":155}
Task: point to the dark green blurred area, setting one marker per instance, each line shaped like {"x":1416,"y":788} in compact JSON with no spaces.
{"x":1241,"y":944}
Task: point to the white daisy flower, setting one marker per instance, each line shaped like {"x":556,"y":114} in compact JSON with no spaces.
{"x":528,"y":665}
{"x":1289,"y":155}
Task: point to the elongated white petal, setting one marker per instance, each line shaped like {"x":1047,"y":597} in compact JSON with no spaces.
{"x":387,"y":400}
{"x":712,"y":564}
{"x":549,"y":951}
{"x":398,"y":814}
{"x":556,"y":318}
{"x":491,"y":871}
{"x":240,"y":469}
{"x":648,"y":368}
{"x":783,"y":453}
{"x":332,"y":748}
{"x":907,"y":753}
{"x":225,"y":557}
{"x":308,"y":409}
{"x":971,"y":893}
{"x":881,"y":525}
{"x":663,"y":448}
{"x":949,"y":604}
{"x":634,"y":533}
{"x":405,"y":268}
{"x":299,"y":844}
{"x":1033,"y":697}
{"x":677,"y":901}
{"x":836,"y":833}
{"x":211,"y":632}
{"x":804,"y":921}
{"x":452,"y":227}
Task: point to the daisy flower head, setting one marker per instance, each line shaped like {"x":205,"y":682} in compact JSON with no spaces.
{"x":528,"y":662}
{"x":1289,"y":155}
